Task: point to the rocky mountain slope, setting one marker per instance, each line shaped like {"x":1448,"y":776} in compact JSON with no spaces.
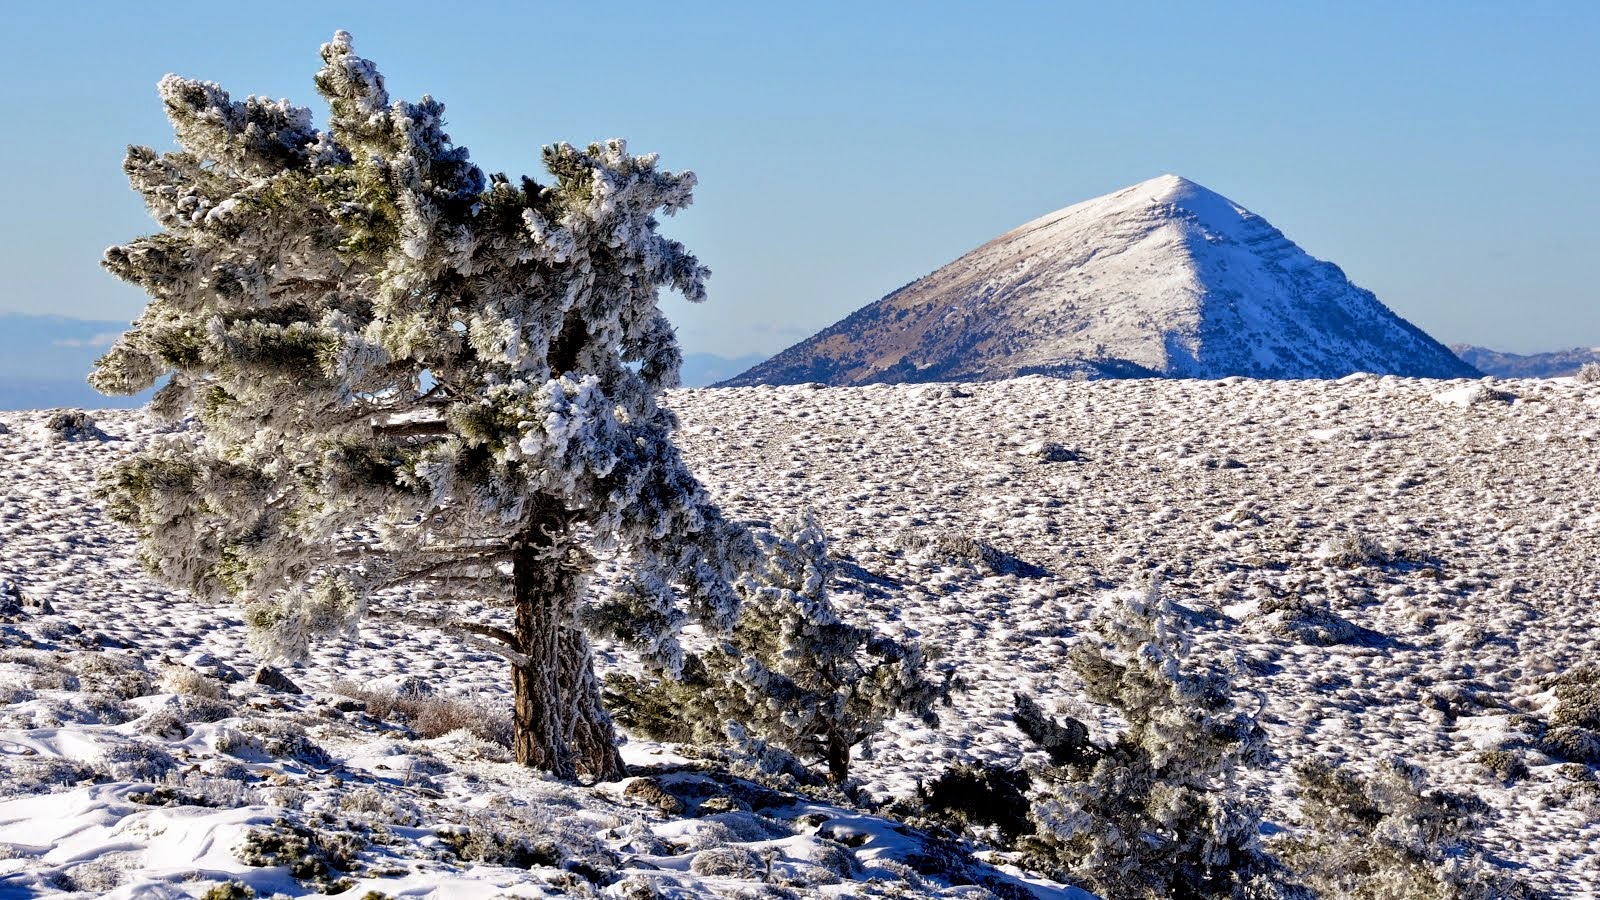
{"x":1163,"y":278}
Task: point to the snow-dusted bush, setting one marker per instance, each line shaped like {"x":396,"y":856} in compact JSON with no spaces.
{"x":116,"y":674}
{"x":793,"y":673}
{"x":727,"y":862}
{"x":1506,"y":765}
{"x":1577,"y":697}
{"x":1307,"y":621}
{"x":969,"y":797}
{"x":135,"y":760}
{"x":180,"y":679}
{"x":1356,"y":549}
{"x":1386,"y":835}
{"x":71,"y":425}
{"x":311,"y":855}
{"x":956,"y":549}
{"x":432,"y":716}
{"x":388,"y":808}
{"x":229,"y":890}
{"x":41,"y":775}
{"x":283,"y":739}
{"x":1052,"y":452}
{"x":1157,"y":812}
{"x":194,"y":789}
{"x":404,"y":374}
{"x":1588,"y":373}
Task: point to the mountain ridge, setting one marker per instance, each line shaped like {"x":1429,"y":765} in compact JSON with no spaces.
{"x":1551,"y":364}
{"x":1163,"y":278}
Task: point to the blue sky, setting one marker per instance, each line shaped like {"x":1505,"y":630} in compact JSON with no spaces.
{"x":1444,"y":154}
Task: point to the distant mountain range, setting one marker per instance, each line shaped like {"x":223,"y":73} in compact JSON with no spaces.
{"x":1165,"y":278}
{"x":44,"y":361}
{"x":1555,"y":364}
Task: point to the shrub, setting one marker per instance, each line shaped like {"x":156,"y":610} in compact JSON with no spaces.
{"x":1577,"y":697}
{"x":1156,"y":812}
{"x":727,"y":862}
{"x":72,"y":425}
{"x":229,"y":890}
{"x":179,"y":679}
{"x":1386,"y":835}
{"x":285,"y":740}
{"x":1572,"y":742}
{"x":136,"y":760}
{"x":1505,"y":764}
{"x":1299,"y":619}
{"x":310,"y":855}
{"x":116,"y":674}
{"x":1588,"y":373}
{"x":480,"y":842}
{"x":795,"y":674}
{"x":430,"y":716}
{"x":956,"y":549}
{"x":967,"y":797}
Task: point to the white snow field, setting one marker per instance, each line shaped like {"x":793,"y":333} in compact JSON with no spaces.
{"x":1394,"y":566}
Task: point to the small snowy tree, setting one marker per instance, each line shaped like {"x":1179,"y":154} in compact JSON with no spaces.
{"x":1388,"y":835}
{"x":793,"y":672}
{"x":1156,"y":813}
{"x":413,"y":383}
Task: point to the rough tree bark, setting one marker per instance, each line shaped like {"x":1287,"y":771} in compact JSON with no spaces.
{"x":560,"y":725}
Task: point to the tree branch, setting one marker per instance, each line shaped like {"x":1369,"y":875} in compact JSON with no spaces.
{"x":443,"y":566}
{"x":490,"y":638}
{"x":420,"y":428}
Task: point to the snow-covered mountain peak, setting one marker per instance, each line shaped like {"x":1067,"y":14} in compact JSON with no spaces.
{"x":1163,"y":278}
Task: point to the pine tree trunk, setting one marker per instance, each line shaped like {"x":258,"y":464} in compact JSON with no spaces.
{"x":593,"y":738}
{"x":838,"y":757}
{"x":560,"y":725}
{"x":540,"y":739}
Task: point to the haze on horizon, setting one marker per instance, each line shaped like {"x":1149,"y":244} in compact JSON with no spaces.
{"x":1440,"y":155}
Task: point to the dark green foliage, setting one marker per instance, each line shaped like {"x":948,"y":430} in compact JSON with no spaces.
{"x":794,"y":673}
{"x":1067,"y":742}
{"x":230,"y":890}
{"x":973,"y":796}
{"x":1386,"y":835}
{"x":480,"y":843}
{"x":311,"y":856}
{"x":1156,"y":812}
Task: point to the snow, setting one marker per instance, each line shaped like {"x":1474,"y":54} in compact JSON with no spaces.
{"x":1487,"y":516}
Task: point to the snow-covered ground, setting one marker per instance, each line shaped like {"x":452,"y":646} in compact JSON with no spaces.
{"x":1394,"y":565}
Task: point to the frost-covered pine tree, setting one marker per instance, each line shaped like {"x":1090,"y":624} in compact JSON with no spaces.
{"x":413,"y":384}
{"x":793,"y":673}
{"x":1157,"y":812}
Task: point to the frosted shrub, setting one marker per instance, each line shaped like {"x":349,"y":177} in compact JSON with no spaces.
{"x":968,"y":797}
{"x":727,"y":862}
{"x":115,"y":674}
{"x":1157,"y":812}
{"x":71,"y":425}
{"x":794,"y":673}
{"x":285,"y":740}
{"x":956,"y":549}
{"x":1386,"y":835}
{"x":1307,"y":621}
{"x":431,"y":716}
{"x":190,"y":683}
{"x":135,"y":760}
{"x":414,"y":389}
{"x":1588,"y":373}
{"x":1356,"y":550}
